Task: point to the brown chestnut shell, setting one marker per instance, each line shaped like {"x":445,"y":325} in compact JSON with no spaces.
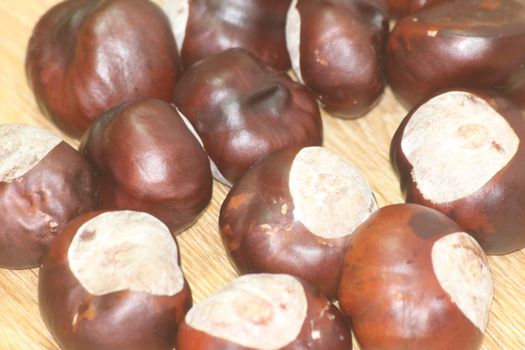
{"x":402,"y":8}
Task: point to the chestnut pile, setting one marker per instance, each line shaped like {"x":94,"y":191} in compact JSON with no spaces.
{"x":164,"y":101}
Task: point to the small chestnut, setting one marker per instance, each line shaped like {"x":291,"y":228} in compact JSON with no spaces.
{"x":337,"y":50}
{"x":243,"y":110}
{"x":459,"y":44}
{"x":44,"y":183}
{"x":146,"y":159}
{"x":265,"y":311}
{"x":86,"y":56}
{"x":413,"y":280}
{"x":294,"y":212}
{"x":111,"y":281}
{"x":462,"y":153}
{"x":205,"y":27}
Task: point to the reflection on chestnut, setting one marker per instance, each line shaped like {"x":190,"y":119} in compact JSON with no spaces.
{"x":337,"y":50}
{"x":402,"y":8}
{"x":146,"y":159}
{"x":414,"y":280}
{"x":44,"y":183}
{"x":111,"y":281}
{"x":243,"y":110}
{"x":462,"y":153}
{"x":294,"y":212}
{"x":265,"y":311}
{"x":86,"y":56}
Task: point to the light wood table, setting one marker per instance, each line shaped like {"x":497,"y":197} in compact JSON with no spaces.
{"x":364,"y":141}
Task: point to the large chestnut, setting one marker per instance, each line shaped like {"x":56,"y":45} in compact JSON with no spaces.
{"x":146,"y":159}
{"x":337,"y":50}
{"x":112,"y":280}
{"x":294,"y":212}
{"x":463,"y":153}
{"x":206,"y":27}
{"x":265,"y":311}
{"x":86,"y":56}
{"x":44,"y":183}
{"x":243,"y":110}
{"x":459,"y":44}
{"x":414,"y":280}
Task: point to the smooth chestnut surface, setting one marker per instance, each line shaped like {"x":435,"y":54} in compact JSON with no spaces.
{"x":146,"y":159}
{"x":462,"y":43}
{"x":112,"y":280}
{"x":337,"y":50}
{"x":243,"y":110}
{"x":206,"y":27}
{"x":462,"y":153}
{"x":294,"y":212}
{"x":265,"y":311}
{"x":44,"y":183}
{"x":402,"y":8}
{"x":86,"y":56}
{"x":412,"y":279}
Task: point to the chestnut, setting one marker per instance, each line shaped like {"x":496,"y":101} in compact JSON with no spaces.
{"x":459,"y":44}
{"x":265,"y":311}
{"x":146,"y":159}
{"x":412,"y":280}
{"x":112,"y":280}
{"x":243,"y":110}
{"x":462,"y":153}
{"x":206,"y":27}
{"x":44,"y":183}
{"x":86,"y":56}
{"x":294,"y":212}
{"x":402,"y":8}
{"x":337,"y":50}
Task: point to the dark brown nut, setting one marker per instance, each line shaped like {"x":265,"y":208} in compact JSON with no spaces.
{"x":459,"y":44}
{"x":337,"y":50}
{"x":86,"y":56}
{"x":413,"y":280}
{"x":402,"y":8}
{"x":44,"y":183}
{"x":111,"y":281}
{"x":265,"y":311}
{"x":146,"y":159}
{"x":243,"y":110}
{"x":294,"y":212}
{"x":463,"y":153}
{"x":206,"y":27}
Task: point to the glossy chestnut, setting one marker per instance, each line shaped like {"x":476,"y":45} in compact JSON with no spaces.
{"x":294,"y":212}
{"x":414,"y":280}
{"x":146,"y":159}
{"x":337,"y":50}
{"x":462,"y":152}
{"x":265,"y":311}
{"x":243,"y":110}
{"x":402,"y":8}
{"x":86,"y":56}
{"x":44,"y":183}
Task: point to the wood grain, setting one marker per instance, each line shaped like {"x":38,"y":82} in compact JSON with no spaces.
{"x":364,"y":141}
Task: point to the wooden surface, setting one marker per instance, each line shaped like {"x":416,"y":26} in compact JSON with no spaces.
{"x":365,"y":142}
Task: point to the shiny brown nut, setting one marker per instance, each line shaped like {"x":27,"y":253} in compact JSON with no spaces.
{"x":206,"y":27}
{"x":86,"y":56}
{"x":44,"y":183}
{"x":462,"y":153}
{"x":146,"y":159}
{"x":294,"y":212}
{"x":243,"y":110}
{"x":413,"y":280}
{"x":111,"y":281}
{"x":337,"y":50}
{"x":265,"y":311}
{"x":402,"y":8}
{"x":460,"y":44}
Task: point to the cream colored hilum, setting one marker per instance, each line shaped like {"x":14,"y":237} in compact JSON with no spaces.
{"x":293,"y":39}
{"x":331,"y":196}
{"x":178,"y":12}
{"x":462,"y":270}
{"x":125,"y":250}
{"x":456,"y":143}
{"x":259,"y":311}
